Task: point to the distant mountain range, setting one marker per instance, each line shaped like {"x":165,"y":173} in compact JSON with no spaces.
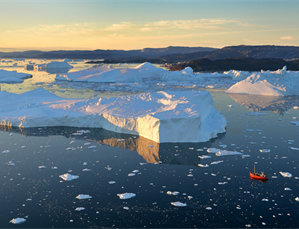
{"x":107,"y":54}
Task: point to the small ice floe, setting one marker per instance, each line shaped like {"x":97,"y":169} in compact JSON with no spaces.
{"x":264,"y":223}
{"x":204,"y":166}
{"x":17,"y":220}
{"x":68,"y":177}
{"x":213,"y":174}
{"x":287,"y":189}
{"x":83,"y":131}
{"x":10,"y":163}
{"x":83,"y":197}
{"x":190,"y":197}
{"x":248,"y":225}
{"x":199,"y":150}
{"x":126,"y":195}
{"x":87,"y":143}
{"x":231,"y":105}
{"x":216,"y":162}
{"x":111,"y":182}
{"x":29,"y":199}
{"x":286,"y":174}
{"x":204,"y":157}
{"x":296,"y":108}
{"x":85,"y":163}
{"x":297,"y":199}
{"x":178,"y":204}
{"x":265,"y":199}
{"x":54,"y":167}
{"x":255,"y":113}
{"x":223,"y":146}
{"x":72,"y":142}
{"x":70,"y":148}
{"x":208,"y":208}
{"x":296,"y":123}
{"x":274,"y":177}
{"x":86,"y":170}
{"x":71,"y":220}
{"x":42,"y":167}
{"x":249,"y":130}
{"x":23,"y":147}
{"x":79,"y":209}
{"x":245,"y":155}
{"x":294,"y":148}
{"x":131,"y":174}
{"x":91,"y":147}
{"x":108,"y":168}
{"x":222,"y":183}
{"x":126,"y":208}
{"x":190,"y":175}
{"x":142,"y":163}
{"x":283,"y":157}
{"x":135,"y":171}
{"x":6,"y":151}
{"x":238,"y":207}
{"x":77,"y":134}
{"x":172,"y":193}
{"x":265,"y":150}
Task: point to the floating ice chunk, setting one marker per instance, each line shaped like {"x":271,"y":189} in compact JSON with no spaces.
{"x":231,"y":105}
{"x":77,"y":134}
{"x":87,"y":143}
{"x":216,"y":162}
{"x":131,"y":174}
{"x":296,"y":108}
{"x":265,"y":199}
{"x":83,"y":131}
{"x":255,"y":113}
{"x":86,"y":170}
{"x":72,"y":142}
{"x":17,"y":220}
{"x":212,"y":150}
{"x":172,"y":193}
{"x":296,"y":123}
{"x":190,"y":197}
{"x":23,"y":147}
{"x":6,"y":151}
{"x":111,"y":182}
{"x":222,"y":183}
{"x":126,"y":208}
{"x":179,"y":204}
{"x":85,"y":163}
{"x":108,"y":168}
{"x":199,"y":150}
{"x":91,"y":147}
{"x":83,"y":197}
{"x":294,"y":148}
{"x":248,"y":225}
{"x":42,"y":167}
{"x":274,"y":177}
{"x":204,"y":157}
{"x":265,"y":150}
{"x":142,"y":163}
{"x":287,"y":189}
{"x":297,"y":199}
{"x":70,"y":148}
{"x":249,"y":130}
{"x":68,"y":177}
{"x":213,"y":174}
{"x":245,"y":155}
{"x":204,"y":166}
{"x":54,"y":167}
{"x":79,"y":209}
{"x":10,"y":163}
{"x":209,"y":208}
{"x":190,"y":175}
{"x":126,"y":195}
{"x":264,"y":223}
{"x":135,"y":171}
{"x":286,"y":174}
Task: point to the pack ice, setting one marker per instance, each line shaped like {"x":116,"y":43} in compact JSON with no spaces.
{"x":273,"y":83}
{"x":13,"y":76}
{"x":158,"y":116}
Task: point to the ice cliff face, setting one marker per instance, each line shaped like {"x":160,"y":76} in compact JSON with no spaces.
{"x":158,"y":116}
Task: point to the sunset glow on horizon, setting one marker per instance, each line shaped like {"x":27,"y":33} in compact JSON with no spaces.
{"x":90,"y":25}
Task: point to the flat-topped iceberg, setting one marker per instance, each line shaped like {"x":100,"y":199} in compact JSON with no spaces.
{"x":158,"y":116}
{"x":275,"y":83}
{"x":13,"y":76}
{"x":102,"y":74}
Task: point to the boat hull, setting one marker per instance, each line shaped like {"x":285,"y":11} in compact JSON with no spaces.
{"x":256,"y":177}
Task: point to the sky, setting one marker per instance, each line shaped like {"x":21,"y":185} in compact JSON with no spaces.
{"x":136,"y":24}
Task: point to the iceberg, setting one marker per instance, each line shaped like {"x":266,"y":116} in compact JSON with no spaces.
{"x":276,"y":83}
{"x":102,"y":74}
{"x":13,"y":76}
{"x":158,"y":116}
{"x":126,"y":195}
{"x":83,"y":197}
{"x":286,"y":174}
{"x":178,"y":204}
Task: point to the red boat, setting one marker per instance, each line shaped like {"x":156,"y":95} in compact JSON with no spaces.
{"x":258,"y":176}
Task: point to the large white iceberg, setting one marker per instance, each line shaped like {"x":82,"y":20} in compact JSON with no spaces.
{"x":13,"y":76}
{"x":52,"y":65}
{"x":158,"y":116}
{"x":102,"y":74}
{"x":276,"y":83}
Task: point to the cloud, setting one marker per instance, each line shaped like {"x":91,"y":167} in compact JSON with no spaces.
{"x":122,"y":26}
{"x":287,"y":38}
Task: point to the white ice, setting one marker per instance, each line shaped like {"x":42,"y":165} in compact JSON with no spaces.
{"x":172,"y":193}
{"x":83,"y":196}
{"x":179,"y":204}
{"x":17,"y":220}
{"x":220,"y":152}
{"x":286,"y":174}
{"x":79,"y":209}
{"x":126,"y":195}
{"x":68,"y":177}
{"x":159,"y":116}
{"x":13,"y":76}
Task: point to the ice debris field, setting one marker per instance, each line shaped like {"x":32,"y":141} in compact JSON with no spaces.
{"x":176,"y":154}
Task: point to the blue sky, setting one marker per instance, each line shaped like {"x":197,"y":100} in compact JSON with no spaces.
{"x":124,"y":24}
